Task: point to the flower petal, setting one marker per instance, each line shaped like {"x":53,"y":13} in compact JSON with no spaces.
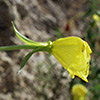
{"x":74,"y":54}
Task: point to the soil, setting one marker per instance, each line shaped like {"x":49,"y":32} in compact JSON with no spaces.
{"x":43,"y":78}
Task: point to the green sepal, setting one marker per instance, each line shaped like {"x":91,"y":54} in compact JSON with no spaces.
{"x":26,"y":40}
{"x":21,"y":37}
{"x":26,"y":58}
{"x":37,"y":46}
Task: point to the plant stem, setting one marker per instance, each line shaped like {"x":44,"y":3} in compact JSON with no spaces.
{"x":16,"y":47}
{"x":42,"y":46}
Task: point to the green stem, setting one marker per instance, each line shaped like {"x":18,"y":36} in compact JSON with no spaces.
{"x":16,"y":47}
{"x":41,"y":46}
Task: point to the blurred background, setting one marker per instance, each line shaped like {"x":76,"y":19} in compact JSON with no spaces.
{"x":43,"y":78}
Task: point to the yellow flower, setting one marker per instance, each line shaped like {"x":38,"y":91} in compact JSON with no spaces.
{"x":96,"y":18}
{"x":79,"y":92}
{"x":74,"y":54}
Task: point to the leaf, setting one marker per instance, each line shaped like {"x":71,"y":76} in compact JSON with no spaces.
{"x":20,"y":36}
{"x":25,"y":60}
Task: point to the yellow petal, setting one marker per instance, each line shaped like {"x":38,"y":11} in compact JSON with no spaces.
{"x":79,"y":92}
{"x":96,"y":18}
{"x":74,"y":54}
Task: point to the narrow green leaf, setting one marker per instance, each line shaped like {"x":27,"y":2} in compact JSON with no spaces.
{"x":20,"y":36}
{"x":26,"y":40}
{"x":25,"y":61}
{"x":26,"y":58}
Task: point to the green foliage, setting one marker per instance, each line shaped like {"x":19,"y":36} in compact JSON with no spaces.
{"x":35,"y":46}
{"x":25,"y":60}
{"x":93,"y":7}
{"x":59,"y":33}
{"x":21,"y":37}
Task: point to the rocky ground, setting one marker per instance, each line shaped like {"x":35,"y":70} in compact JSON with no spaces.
{"x":43,"y":78}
